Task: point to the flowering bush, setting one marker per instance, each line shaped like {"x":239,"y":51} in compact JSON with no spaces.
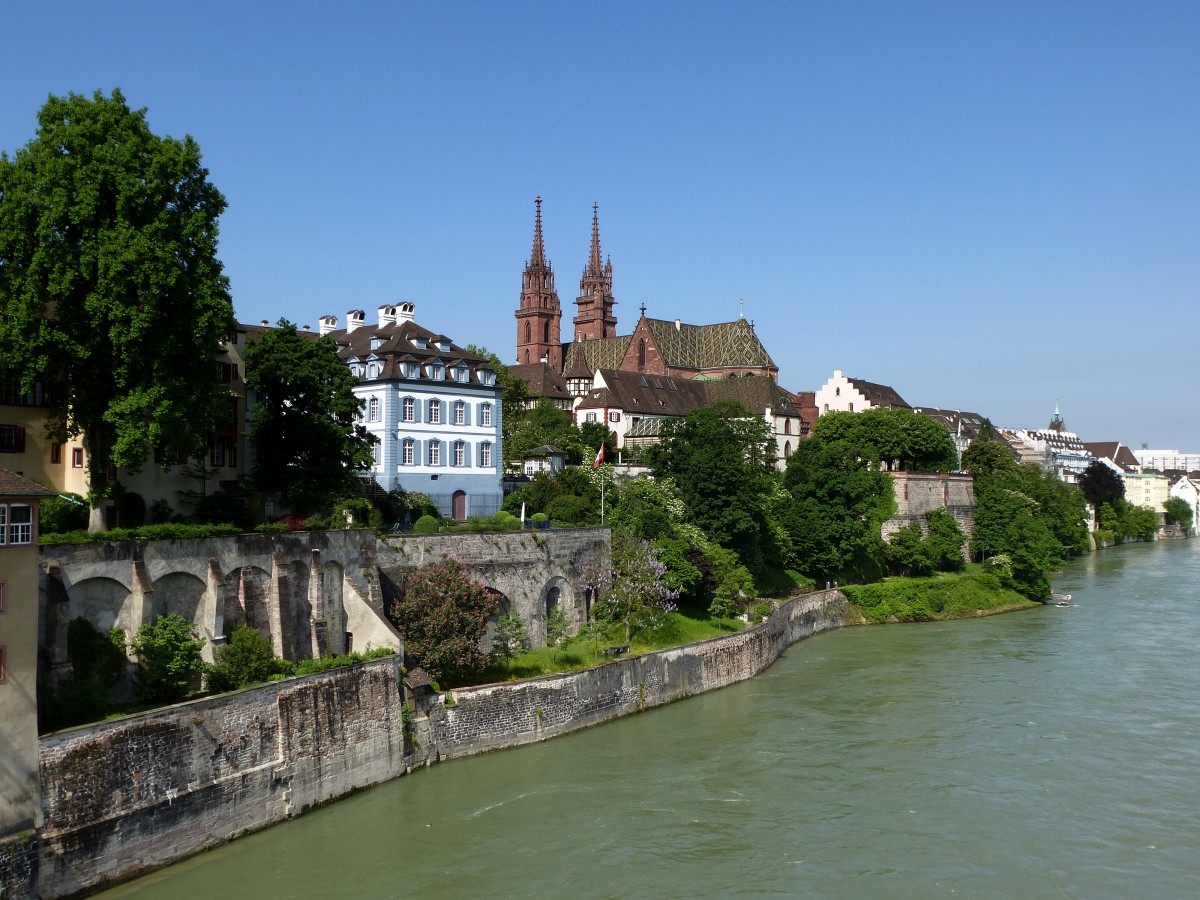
{"x":635,"y":593}
{"x":443,"y":615}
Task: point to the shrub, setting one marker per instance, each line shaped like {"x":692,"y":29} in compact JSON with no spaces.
{"x":66,"y":512}
{"x":168,"y":655}
{"x":248,"y":658}
{"x":426,"y":525}
{"x":539,"y":518}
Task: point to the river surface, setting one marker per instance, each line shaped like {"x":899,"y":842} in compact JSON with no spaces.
{"x":1049,"y":753}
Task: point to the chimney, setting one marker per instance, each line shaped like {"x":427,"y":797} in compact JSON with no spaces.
{"x":328,"y":324}
{"x":354,"y":319}
{"x":678,"y":325}
{"x":387,"y":316}
{"x":307,"y":328}
{"x":265,"y":323}
{"x":405,"y":312}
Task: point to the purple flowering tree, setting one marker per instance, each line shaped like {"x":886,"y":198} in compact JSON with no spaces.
{"x":635,"y":592}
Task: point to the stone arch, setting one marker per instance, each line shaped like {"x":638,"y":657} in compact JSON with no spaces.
{"x":104,"y":602}
{"x":296,"y":611}
{"x":557,"y":591}
{"x":186,"y":595}
{"x":247,"y":600}
{"x":504,"y":607}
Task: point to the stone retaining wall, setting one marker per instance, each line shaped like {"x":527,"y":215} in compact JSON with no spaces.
{"x":122,"y":797}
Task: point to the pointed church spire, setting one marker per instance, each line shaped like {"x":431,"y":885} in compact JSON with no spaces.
{"x":538,"y":256}
{"x":595,"y":262}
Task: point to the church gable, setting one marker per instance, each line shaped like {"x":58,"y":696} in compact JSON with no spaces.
{"x":643,"y":353}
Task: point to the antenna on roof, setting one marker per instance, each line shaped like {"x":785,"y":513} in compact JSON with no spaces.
{"x":741,"y":307}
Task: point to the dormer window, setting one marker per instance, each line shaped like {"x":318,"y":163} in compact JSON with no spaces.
{"x":487,"y":376}
{"x":461,"y":374}
{"x":420,"y":343}
{"x":443,"y":345}
{"x":435,"y":371}
{"x":376,"y":341}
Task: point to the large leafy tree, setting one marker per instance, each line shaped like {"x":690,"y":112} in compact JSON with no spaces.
{"x":899,"y":438}
{"x":1100,"y":484}
{"x":308,"y":443}
{"x":110,"y":286}
{"x":838,"y":503}
{"x":721,"y":458}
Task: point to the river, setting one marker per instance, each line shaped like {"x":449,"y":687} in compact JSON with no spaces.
{"x":1049,"y":753}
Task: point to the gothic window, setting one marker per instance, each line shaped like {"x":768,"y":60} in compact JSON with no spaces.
{"x":787,"y":449}
{"x":485,"y":414}
{"x":641,"y":353}
{"x":528,"y":332}
{"x":546,"y":332}
{"x":787,"y":426}
{"x":460,"y":412}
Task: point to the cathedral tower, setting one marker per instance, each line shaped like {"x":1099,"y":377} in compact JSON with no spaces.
{"x":595,"y":318}
{"x":539,"y":314}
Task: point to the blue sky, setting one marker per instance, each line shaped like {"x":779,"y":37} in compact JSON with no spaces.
{"x":988,"y":206}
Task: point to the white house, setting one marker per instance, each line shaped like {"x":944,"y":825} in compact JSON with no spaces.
{"x":434,"y":407}
{"x":844,"y":394}
{"x":1188,"y":490}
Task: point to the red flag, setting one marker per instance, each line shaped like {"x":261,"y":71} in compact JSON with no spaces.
{"x":599,"y":457}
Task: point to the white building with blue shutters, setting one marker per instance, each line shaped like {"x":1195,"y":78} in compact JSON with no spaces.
{"x":434,"y":407}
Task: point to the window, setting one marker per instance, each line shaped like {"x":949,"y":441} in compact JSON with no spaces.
{"x":376,"y":453}
{"x":435,"y":372}
{"x":435,"y":453}
{"x":216,"y":456}
{"x":12,"y":439}
{"x":56,"y":454}
{"x":460,"y":412}
{"x":485,"y":414}
{"x":406,"y":452}
{"x":641,"y":354}
{"x":3,"y":608}
{"x":851,"y":405}
{"x":614,"y":416}
{"x":16,"y":524}
{"x":837,"y":392}
{"x":435,"y":412}
{"x":460,"y":453}
{"x":373,"y":409}
{"x":591,"y":417}
{"x":460,"y":374}
{"x":410,"y":409}
{"x":228,"y":372}
{"x":485,"y":454}
{"x":787,"y":426}
{"x":76,"y":457}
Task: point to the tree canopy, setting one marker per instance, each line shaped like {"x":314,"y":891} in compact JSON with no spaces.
{"x":1100,"y":484}
{"x":898,"y":438}
{"x":722,"y":460}
{"x":111,"y":290}
{"x":307,"y":441}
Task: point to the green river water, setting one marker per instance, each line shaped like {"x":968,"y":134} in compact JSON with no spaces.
{"x":1049,"y":753}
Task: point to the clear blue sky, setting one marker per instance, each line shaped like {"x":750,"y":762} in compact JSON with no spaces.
{"x":987,"y":205}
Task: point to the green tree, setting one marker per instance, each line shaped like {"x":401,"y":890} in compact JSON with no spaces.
{"x":557,"y":629}
{"x":514,"y":397}
{"x":168,"y":654}
{"x":512,"y":637}
{"x":722,"y":461}
{"x":1100,"y":484}
{"x":110,"y":286}
{"x":838,"y":503}
{"x":1179,"y":512}
{"x":944,"y":542}
{"x":443,"y":615}
{"x":248,"y":658}
{"x":898,"y":438}
{"x":308,"y":444}
{"x":907,"y":553}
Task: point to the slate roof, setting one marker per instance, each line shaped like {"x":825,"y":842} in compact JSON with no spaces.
{"x":755,"y":392}
{"x":396,"y":344}
{"x":14,"y":485}
{"x":722,"y":345}
{"x":878,"y":394}
{"x":543,"y":381}
{"x":956,"y":420}
{"x":1115,"y":451}
{"x":651,"y":395}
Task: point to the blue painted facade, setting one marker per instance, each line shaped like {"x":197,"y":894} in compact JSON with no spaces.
{"x":434,"y":407}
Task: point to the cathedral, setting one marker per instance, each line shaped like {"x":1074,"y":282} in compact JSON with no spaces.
{"x":563,"y":370}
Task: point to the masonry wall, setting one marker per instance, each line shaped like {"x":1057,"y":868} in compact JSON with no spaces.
{"x":122,"y":797}
{"x":125,"y":796}
{"x":920,"y":493}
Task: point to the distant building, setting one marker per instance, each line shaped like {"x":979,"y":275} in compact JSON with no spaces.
{"x":546,"y":458}
{"x":20,"y":794}
{"x":1187,"y":489}
{"x":964,"y":427}
{"x":1168,"y":460}
{"x":1054,"y":448}
{"x":842,"y":394}
{"x":564,"y":369}
{"x":1147,"y":489}
{"x":1119,"y":457}
{"x":433,"y":406}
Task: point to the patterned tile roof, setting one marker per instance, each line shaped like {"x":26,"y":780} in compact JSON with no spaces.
{"x":585,"y":357}
{"x":723,"y":345}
